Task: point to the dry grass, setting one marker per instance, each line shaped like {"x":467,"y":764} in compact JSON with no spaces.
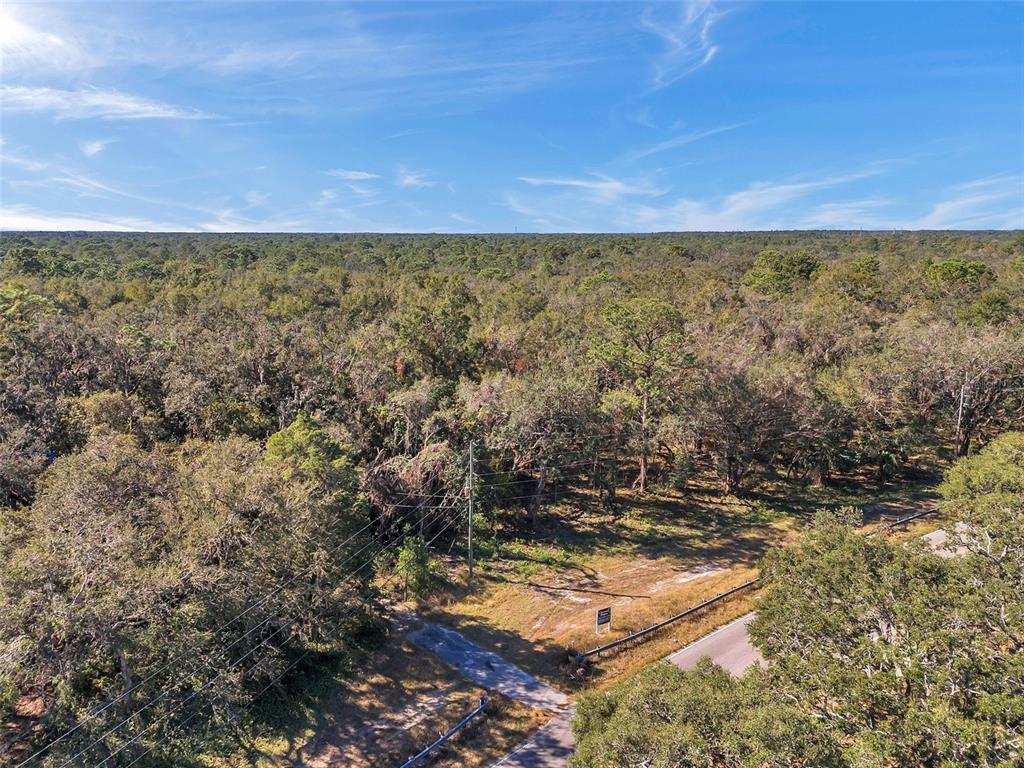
{"x":534,"y":623}
{"x":535,"y":605}
{"x":401,"y":701}
{"x":626,"y":661}
{"x":534,"y":598}
{"x":507,"y":723}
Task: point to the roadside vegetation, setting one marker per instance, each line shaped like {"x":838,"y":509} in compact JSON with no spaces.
{"x":878,"y":652}
{"x":225,"y":459}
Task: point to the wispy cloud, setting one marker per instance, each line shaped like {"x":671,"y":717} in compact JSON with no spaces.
{"x":676,"y":141}
{"x":603,"y":203}
{"x":349,"y":175}
{"x":196,"y":216}
{"x":996,"y":201}
{"x":56,"y":175}
{"x":412,"y":179}
{"x":464,"y":220}
{"x":229,"y":220}
{"x":685,"y":31}
{"x":86,"y":186}
{"x":94,"y":147}
{"x":26,"y":48}
{"x":357,"y":59}
{"x":758,"y":206}
{"x":865,"y":213}
{"x":23,"y":162}
{"x":544,"y":218}
{"x":90,"y":103}
{"x":23,"y":217}
{"x":599,"y":184}
{"x":327,"y":196}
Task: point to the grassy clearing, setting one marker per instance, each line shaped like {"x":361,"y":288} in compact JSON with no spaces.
{"x":535,"y":596}
{"x":615,"y":668}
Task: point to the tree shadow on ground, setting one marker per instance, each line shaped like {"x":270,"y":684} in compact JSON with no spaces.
{"x":303,"y":700}
{"x":542,"y":659}
{"x":701,"y":522}
{"x":650,"y":526}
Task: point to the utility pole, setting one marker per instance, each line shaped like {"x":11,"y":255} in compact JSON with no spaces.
{"x":960,"y":417}
{"x":471,"y":490}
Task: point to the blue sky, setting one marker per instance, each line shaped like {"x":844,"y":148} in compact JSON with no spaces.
{"x":476,"y":117}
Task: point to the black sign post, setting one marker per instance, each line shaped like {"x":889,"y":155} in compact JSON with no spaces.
{"x":604,"y":619}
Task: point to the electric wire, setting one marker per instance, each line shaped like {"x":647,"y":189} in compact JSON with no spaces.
{"x":276,"y":679}
{"x":181,"y":655}
{"x":222,"y":650}
{"x":378,"y":519}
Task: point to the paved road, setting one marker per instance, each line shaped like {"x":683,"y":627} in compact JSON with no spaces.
{"x":549,"y":747}
{"x":552,"y":745}
{"x":938,"y":540}
{"x":729,"y":647}
{"x":486,"y":669}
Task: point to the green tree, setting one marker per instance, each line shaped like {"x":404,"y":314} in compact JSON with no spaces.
{"x":891,"y":649}
{"x":960,"y":274}
{"x":417,"y":569}
{"x":777,"y":273}
{"x":432,"y":326}
{"x":740,"y":409}
{"x":666,"y":718}
{"x":985,"y":493}
{"x":127,"y":558}
{"x":307,"y":451}
{"x":642,"y":349}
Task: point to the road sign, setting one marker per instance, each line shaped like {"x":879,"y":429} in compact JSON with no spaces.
{"x":604,"y":619}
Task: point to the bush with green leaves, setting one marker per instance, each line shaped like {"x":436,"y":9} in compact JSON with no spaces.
{"x":418,"y":571}
{"x":777,"y":273}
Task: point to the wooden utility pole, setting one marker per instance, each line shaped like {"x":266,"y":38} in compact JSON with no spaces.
{"x":471,"y":492}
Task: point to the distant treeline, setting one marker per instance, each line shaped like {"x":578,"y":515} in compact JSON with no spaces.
{"x":149,"y":255}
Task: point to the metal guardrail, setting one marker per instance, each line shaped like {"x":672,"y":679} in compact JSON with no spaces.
{"x":664,"y":623}
{"x":888,"y":525}
{"x":484,"y":701}
{"x":721,"y":596}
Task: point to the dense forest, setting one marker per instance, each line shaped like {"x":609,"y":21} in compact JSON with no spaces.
{"x":188,"y":422}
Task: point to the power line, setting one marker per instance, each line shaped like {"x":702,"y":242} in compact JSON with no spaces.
{"x":456,"y":494}
{"x":538,"y":467}
{"x":263,"y":690}
{"x":194,"y":649}
{"x":174,"y":660}
{"x":182,"y":655}
{"x":208,"y":665}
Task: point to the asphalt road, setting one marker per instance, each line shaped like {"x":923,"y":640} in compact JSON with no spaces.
{"x":486,"y":669}
{"x":729,"y":647}
{"x":549,"y":747}
{"x":552,"y":745}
